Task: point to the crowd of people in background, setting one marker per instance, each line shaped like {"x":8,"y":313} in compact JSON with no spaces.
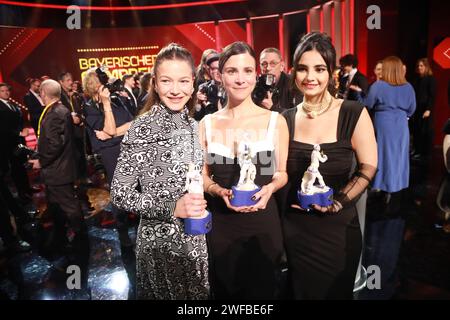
{"x":134,"y":125}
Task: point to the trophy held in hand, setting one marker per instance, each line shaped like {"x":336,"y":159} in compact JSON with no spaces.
{"x":194,"y":184}
{"x":246,"y":187}
{"x":311,"y":193}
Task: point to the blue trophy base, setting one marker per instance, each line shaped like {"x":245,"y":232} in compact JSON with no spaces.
{"x":197,"y":226}
{"x":322,"y":199}
{"x":242,"y":198}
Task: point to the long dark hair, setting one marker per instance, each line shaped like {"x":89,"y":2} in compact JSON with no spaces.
{"x":172,"y":51}
{"x":322,"y":44}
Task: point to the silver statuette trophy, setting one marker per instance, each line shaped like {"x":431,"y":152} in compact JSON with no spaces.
{"x":310,"y":193}
{"x":194,"y":184}
{"x":245,"y":189}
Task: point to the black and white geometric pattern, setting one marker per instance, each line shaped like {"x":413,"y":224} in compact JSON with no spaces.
{"x":149,"y":178}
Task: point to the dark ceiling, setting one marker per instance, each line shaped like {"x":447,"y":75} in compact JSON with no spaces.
{"x":15,"y":15}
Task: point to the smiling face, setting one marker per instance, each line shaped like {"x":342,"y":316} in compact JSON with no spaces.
{"x":239,"y":77}
{"x":312,"y":76}
{"x":174,"y":83}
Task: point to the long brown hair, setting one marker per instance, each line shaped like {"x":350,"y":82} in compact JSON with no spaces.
{"x":172,"y":51}
{"x":393,"y":71}
{"x":426,"y":63}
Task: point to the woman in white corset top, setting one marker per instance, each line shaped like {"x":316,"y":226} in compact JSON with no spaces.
{"x":245,"y":243}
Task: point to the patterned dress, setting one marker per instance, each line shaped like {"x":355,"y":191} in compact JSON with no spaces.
{"x":149,"y":178}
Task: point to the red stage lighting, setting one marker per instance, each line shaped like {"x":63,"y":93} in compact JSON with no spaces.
{"x":120,"y":8}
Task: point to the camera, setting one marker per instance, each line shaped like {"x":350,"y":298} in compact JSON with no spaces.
{"x":213,"y":92}
{"x":115,"y":86}
{"x":264,"y":84}
{"x":23,"y":151}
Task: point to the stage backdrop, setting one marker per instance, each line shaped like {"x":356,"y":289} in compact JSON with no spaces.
{"x":27,"y":52}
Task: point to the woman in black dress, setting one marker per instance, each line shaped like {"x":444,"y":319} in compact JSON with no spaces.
{"x":324,"y":244}
{"x":422,"y":121}
{"x":245,"y":243}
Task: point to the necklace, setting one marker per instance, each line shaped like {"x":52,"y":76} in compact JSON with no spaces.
{"x":315,"y":110}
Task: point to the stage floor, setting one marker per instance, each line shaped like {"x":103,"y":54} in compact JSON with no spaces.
{"x":408,"y":238}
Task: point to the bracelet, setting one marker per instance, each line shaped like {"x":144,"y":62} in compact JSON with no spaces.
{"x":209,"y":187}
{"x":110,"y":110}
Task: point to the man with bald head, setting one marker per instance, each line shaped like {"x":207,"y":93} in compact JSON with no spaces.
{"x":57,"y":163}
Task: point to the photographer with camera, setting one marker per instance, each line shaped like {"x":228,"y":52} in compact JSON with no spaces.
{"x":56,"y":159}
{"x":107,"y":120}
{"x":279,"y":95}
{"x":202,"y":72}
{"x":210,"y":94}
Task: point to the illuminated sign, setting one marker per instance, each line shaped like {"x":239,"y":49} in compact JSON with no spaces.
{"x":118,"y":65}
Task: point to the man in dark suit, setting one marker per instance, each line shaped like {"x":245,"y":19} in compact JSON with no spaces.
{"x":10,"y":131}
{"x":130,"y":101}
{"x":65,"y":80}
{"x":34,"y":103}
{"x":57,"y":163}
{"x":12,"y":134}
{"x":350,"y":76}
{"x":69,"y":100}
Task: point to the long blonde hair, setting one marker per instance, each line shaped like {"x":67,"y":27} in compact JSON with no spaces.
{"x":90,"y":83}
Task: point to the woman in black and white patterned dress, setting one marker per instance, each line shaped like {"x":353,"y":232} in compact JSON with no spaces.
{"x":150,"y":180}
